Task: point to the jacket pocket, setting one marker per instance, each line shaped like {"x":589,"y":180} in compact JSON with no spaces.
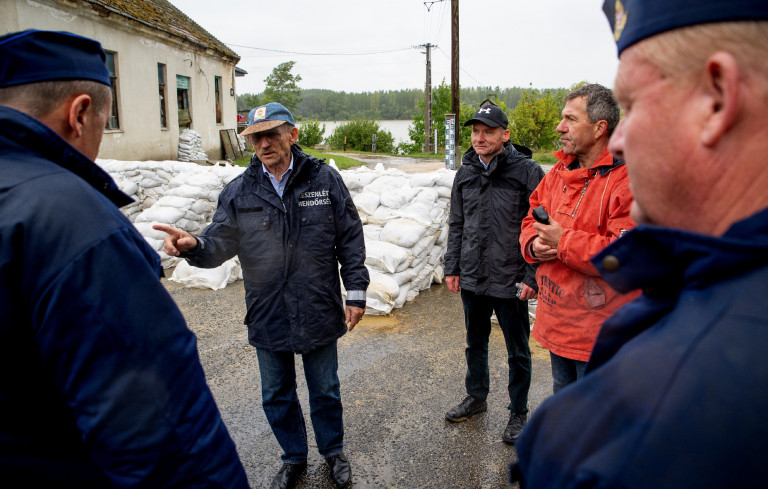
{"x":594,"y":294}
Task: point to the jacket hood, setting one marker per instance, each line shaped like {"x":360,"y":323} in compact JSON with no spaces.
{"x":510,"y":151}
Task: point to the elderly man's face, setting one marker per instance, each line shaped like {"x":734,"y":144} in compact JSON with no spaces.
{"x":655,"y":137}
{"x":273,"y":147}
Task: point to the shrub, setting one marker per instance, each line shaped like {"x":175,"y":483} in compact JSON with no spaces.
{"x":358,"y":136}
{"x":311,"y":133}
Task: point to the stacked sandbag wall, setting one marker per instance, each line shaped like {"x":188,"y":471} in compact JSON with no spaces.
{"x":405,"y":221}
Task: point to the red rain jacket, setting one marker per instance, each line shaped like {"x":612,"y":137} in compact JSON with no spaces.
{"x":593,"y":207}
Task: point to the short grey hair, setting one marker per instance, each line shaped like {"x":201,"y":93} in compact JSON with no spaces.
{"x":41,"y":98}
{"x":601,"y":104}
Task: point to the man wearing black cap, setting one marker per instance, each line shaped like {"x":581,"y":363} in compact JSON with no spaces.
{"x":483,"y":260}
{"x":674,"y":394}
{"x":291,"y":221}
{"x":102,"y":385}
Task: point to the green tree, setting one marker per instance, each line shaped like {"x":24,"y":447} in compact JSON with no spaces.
{"x":281,"y":86}
{"x":311,"y":133}
{"x":358,"y":135}
{"x":534,"y":120}
{"x":247,"y":101}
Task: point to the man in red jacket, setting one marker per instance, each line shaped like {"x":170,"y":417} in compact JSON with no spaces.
{"x":587,"y":198}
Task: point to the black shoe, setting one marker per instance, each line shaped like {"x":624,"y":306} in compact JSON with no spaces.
{"x":466,"y":409}
{"x":341,"y":472}
{"x":288,"y":476}
{"x":514,"y":427}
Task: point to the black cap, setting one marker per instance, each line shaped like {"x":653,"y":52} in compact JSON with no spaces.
{"x":35,"y":56}
{"x":634,"y":20}
{"x":490,"y":115}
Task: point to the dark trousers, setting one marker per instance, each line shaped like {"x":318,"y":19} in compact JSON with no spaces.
{"x":565,"y":371}
{"x":513,"y":320}
{"x":281,"y":403}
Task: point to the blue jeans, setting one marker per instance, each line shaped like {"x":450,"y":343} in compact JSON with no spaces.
{"x":281,"y":404}
{"x":513,"y":320}
{"x":565,"y":371}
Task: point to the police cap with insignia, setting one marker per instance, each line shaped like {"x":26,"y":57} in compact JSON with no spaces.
{"x":634,"y":20}
{"x":33,"y":56}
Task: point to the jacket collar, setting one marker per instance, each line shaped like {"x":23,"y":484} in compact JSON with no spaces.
{"x":29,"y":133}
{"x":508,"y":154}
{"x":604,"y":164}
{"x":663,"y":261}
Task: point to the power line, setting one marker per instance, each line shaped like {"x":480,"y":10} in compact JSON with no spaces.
{"x":462,"y":69}
{"x":364,"y":53}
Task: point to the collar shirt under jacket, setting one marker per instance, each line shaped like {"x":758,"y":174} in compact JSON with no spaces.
{"x":592,"y":205}
{"x":290,"y":249}
{"x":487,"y":210}
{"x":674,"y":394}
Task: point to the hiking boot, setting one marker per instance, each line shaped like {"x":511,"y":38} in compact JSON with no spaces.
{"x":514,"y":427}
{"x":466,"y":409}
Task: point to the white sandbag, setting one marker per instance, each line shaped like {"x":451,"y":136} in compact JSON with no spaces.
{"x":358,"y":178}
{"x":403,"y":232}
{"x":386,"y":183}
{"x":372,"y":232}
{"x":417,"y":211}
{"x":367,"y":202}
{"x":175,"y":201}
{"x":381,"y":293}
{"x":422,"y":246}
{"x":396,"y":198}
{"x":194,"y":192}
{"x":384,"y":256}
{"x":382,"y":214}
{"x":423,"y":179}
{"x":146,"y":230}
{"x":207,"y":278}
{"x":165,"y":215}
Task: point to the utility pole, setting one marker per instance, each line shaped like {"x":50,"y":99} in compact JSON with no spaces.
{"x":455,"y":107}
{"x":428,"y":104}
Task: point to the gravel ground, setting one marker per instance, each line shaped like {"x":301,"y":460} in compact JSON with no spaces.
{"x":399,"y":374}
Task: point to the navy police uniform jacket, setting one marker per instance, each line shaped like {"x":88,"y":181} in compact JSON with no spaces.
{"x":290,"y":249}
{"x":675,"y":391}
{"x":101,"y":384}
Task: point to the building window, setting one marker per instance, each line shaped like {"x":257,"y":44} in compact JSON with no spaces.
{"x":217,"y":89}
{"x":114,"y":119}
{"x":182,"y":101}
{"x":161,"y":89}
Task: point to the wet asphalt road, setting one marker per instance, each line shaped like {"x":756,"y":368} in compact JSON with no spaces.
{"x":399,"y":374}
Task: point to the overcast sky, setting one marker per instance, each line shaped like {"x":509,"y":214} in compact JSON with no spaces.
{"x":367,"y":45}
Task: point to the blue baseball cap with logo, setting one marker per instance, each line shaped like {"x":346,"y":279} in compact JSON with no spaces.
{"x":33,"y":56}
{"x":490,"y":115}
{"x":267,"y":117}
{"x":634,"y":20}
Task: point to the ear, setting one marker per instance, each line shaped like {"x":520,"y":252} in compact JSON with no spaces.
{"x":722,"y":86}
{"x":505,"y":136}
{"x":294,"y":134}
{"x":78,"y":113}
{"x":601,"y":129}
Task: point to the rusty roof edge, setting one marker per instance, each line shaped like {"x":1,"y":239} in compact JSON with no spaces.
{"x":217,"y":45}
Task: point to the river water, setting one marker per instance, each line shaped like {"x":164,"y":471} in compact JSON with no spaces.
{"x":398,"y":129}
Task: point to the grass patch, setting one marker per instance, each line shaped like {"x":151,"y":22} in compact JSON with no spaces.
{"x":342,"y":162}
{"x":544,"y":157}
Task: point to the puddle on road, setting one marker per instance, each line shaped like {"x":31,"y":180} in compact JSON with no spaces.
{"x":380,"y":324}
